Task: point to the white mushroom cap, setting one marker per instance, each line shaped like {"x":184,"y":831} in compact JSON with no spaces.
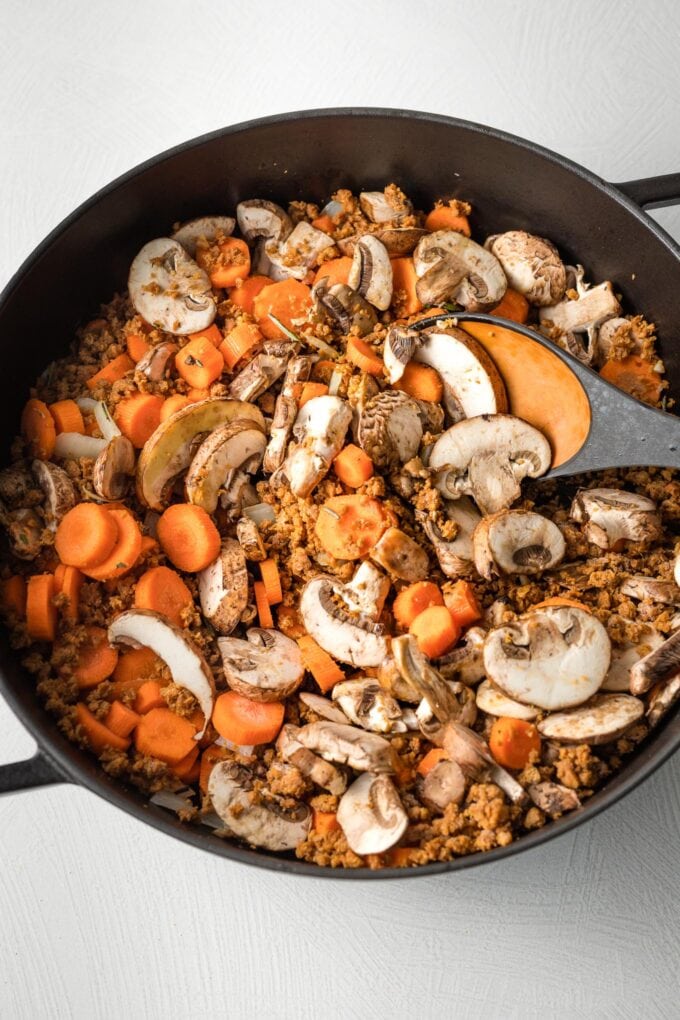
{"x":625,"y":656}
{"x":401,"y":556}
{"x":532,"y":265}
{"x":367,"y":591}
{"x":443,"y":785}
{"x":142,"y":628}
{"x":320,"y":429}
{"x":260,"y":219}
{"x":494,"y":702}
{"x":451,"y":267}
{"x":371,"y":272}
{"x":657,"y":666}
{"x":266,"y":822}
{"x":237,"y":445}
{"x":487,"y":457}
{"x":169,"y":289}
{"x":606,"y":717}
{"x":266,"y":667}
{"x":321,"y":772}
{"x":301,"y":249}
{"x":208,"y":227}
{"x":223,"y":587}
{"x":612,"y":516}
{"x":58,"y":489}
{"x":472,"y":383}
{"x":366,"y":704}
{"x":344,"y":634}
{"x":516,"y":542}
{"x":553,"y":658}
{"x":371,"y":815}
{"x":348,"y":745}
{"x":455,"y":555}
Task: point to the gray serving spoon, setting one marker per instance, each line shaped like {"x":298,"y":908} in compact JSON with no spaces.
{"x":590,"y":423}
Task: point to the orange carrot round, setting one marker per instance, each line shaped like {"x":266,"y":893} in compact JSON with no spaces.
{"x":38,"y":429}
{"x":245,"y":292}
{"x":148,"y":697}
{"x":325,"y":223}
{"x":325,"y":822}
{"x":226,"y":261}
{"x":513,"y":305}
{"x":67,"y":416}
{"x":211,"y":333}
{"x":111,"y":373}
{"x":264,"y":611}
{"x":188,"y":537}
{"x":636,"y":376}
{"x":96,"y":659}
{"x":41,"y":613}
{"x":288,"y":300}
{"x":163,"y":591}
{"x":136,"y":664}
{"x":186,"y":769}
{"x":172,"y":405}
{"x":85,"y":536}
{"x":97,"y":735}
{"x":197,"y":394}
{"x":163,"y":734}
{"x":138,"y":417}
{"x":405,"y":300}
{"x":349,"y":526}
{"x":210,"y":756}
{"x":411,"y":601}
{"x":310,"y":390}
{"x":432,"y":758}
{"x":335,"y":271}
{"x":435,"y":630}
{"x":68,"y":582}
{"x":121,"y":720}
{"x":137,"y":346}
{"x":512,"y":742}
{"x":421,"y":382}
{"x":462,"y":603}
{"x":199,"y":363}
{"x":444,"y":217}
{"x":352,"y":466}
{"x":364,"y":357}
{"x":126,"y":551}
{"x":238,"y":341}
{"x":245,"y":722}
{"x":323,"y":668}
{"x":13,"y":595}
{"x":271,"y":580}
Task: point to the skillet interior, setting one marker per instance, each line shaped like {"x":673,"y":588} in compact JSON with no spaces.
{"x":511,"y":184}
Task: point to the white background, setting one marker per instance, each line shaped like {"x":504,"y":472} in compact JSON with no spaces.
{"x":101,"y":917}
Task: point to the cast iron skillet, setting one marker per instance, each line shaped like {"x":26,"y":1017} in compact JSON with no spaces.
{"x":511,"y":183}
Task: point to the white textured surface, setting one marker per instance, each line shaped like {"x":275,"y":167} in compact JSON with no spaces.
{"x":103,"y":918}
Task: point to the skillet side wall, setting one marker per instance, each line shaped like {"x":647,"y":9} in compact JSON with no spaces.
{"x":511,"y":185}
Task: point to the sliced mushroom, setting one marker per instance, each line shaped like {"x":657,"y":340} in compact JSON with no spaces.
{"x":293,"y":257}
{"x":171,"y":447}
{"x":605,"y":337}
{"x":401,"y":343}
{"x":266,"y":667}
{"x":625,"y":656}
{"x":390,"y":429}
{"x":613,"y":517}
{"x":142,"y":628}
{"x":223,"y":587}
{"x":465,"y":662}
{"x":113,"y":469}
{"x":593,"y":306}
{"x":472,"y":754}
{"x":451,"y":267}
{"x":24,"y":532}
{"x":267,"y":822}
{"x":455,"y":555}
{"x":323,"y":707}
{"x":154,"y":363}
{"x":397,"y":240}
{"x":367,"y":704}
{"x":531,"y":264}
{"x":320,"y":429}
{"x":443,"y":785}
{"x":169,"y":289}
{"x":605,"y":717}
{"x":472,"y":383}
{"x":384,"y":207}
{"x":285,"y":412}
{"x":367,"y":591}
{"x":660,"y":664}
{"x":238,"y":445}
{"x":203,"y":227}
{"x":424,"y":678}
{"x":371,"y":815}
{"x":487,"y":458}
{"x":321,"y":772}
{"x":345,"y":308}
{"x":400,"y":556}
{"x":371,"y":272}
{"x":259,"y":219}
{"x":238,"y":494}
{"x":662,"y":698}
{"x":17,"y":487}
{"x":58,"y":489}
{"x":638,"y":587}
{"x":344,"y":634}
{"x":554,"y":658}
{"x":348,"y":745}
{"x":492,"y":701}
{"x":250,"y":540}
{"x":262,"y":371}
{"x":516,"y":542}
{"x":391,"y":680}
{"x":553,"y":798}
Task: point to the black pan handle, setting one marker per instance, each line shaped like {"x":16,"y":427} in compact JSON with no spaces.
{"x":653,"y":192}
{"x":25,"y":775}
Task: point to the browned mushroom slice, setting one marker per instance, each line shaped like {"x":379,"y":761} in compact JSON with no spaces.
{"x":465,"y":662}
{"x":366,"y":704}
{"x":344,"y":307}
{"x":114,"y":469}
{"x":169,"y":289}
{"x":371,"y":271}
{"x":662,"y":698}
{"x":259,"y":219}
{"x":236,"y":446}
{"x":443,"y":785}
{"x":455,"y":555}
{"x":250,"y":540}
{"x":604,"y":718}
{"x":267,"y":821}
{"x":58,"y":490}
{"x":472,"y":754}
{"x":348,"y":745}
{"x":400,"y":556}
{"x":516,"y":542}
{"x":285,"y":412}
{"x":154,"y":363}
{"x":390,"y":429}
{"x":531,"y":264}
{"x":624,"y":657}
{"x":613,"y":517}
{"x":321,"y":772}
{"x":553,"y":799}
{"x":424,"y":678}
{"x":451,"y":267}
{"x":397,"y":240}
{"x":319,"y":432}
{"x":323,"y":707}
{"x":262,"y":371}
{"x":371,"y":815}
{"x":223,"y":588}
{"x":203,"y":227}
{"x":637,"y":587}
{"x":657,"y":666}
{"x":266,"y":667}
{"x":494,"y":702}
{"x":472,"y":383}
{"x":301,"y":249}
{"x":345,"y":634}
{"x":388,"y":206}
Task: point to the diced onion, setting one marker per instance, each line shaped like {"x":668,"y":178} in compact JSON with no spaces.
{"x":260,"y":512}
{"x":98,"y":408}
{"x":74,"y":445}
{"x":332,"y":208}
{"x":335,"y":382}
{"x":171,"y":800}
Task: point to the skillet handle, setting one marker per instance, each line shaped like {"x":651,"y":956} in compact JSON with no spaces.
{"x":653,"y":192}
{"x":26,"y":775}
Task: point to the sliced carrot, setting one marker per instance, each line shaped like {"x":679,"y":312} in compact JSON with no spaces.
{"x":432,"y":758}
{"x":137,"y":346}
{"x":462,"y":603}
{"x":349,"y":526}
{"x":41,"y":613}
{"x":636,"y":376}
{"x":245,"y":292}
{"x":13,"y":595}
{"x":405,"y":300}
{"x":411,"y":601}
{"x":560,"y":600}
{"x":67,"y":416}
{"x":96,"y":659}
{"x":188,"y":537}
{"x":98,"y":736}
{"x":245,"y":722}
{"x":435,"y":630}
{"x":68,"y":581}
{"x":212,"y":333}
{"x":444,"y":217}
{"x":310,"y":390}
{"x":187,"y":768}
{"x":195,"y":395}
{"x":512,"y":742}
{"x":210,"y":756}
{"x":324,"y":223}
{"x":138,"y":417}
{"x":125,"y":552}
{"x":199,"y":363}
{"x":136,"y":664}
{"x":172,"y":405}
{"x":335,"y":271}
{"x":288,"y":300}
{"x":421,"y":382}
{"x":149,"y":697}
{"x":225,"y":261}
{"x":513,"y":305}
{"x":264,"y":612}
{"x":149,"y":546}
{"x":38,"y":429}
{"x":325,"y":822}
{"x":121,"y":720}
{"x":238,"y":341}
{"x":323,"y":668}
{"x":364,"y":357}
{"x":163,"y":734}
{"x":352,"y":466}
{"x":111,"y":373}
{"x":163,"y":591}
{"x":85,"y":536}
{"x":399,"y":857}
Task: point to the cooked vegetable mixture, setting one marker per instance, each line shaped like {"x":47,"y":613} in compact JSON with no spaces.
{"x":280,"y":555}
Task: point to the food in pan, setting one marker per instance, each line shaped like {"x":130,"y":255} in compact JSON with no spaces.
{"x":278,"y":551}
